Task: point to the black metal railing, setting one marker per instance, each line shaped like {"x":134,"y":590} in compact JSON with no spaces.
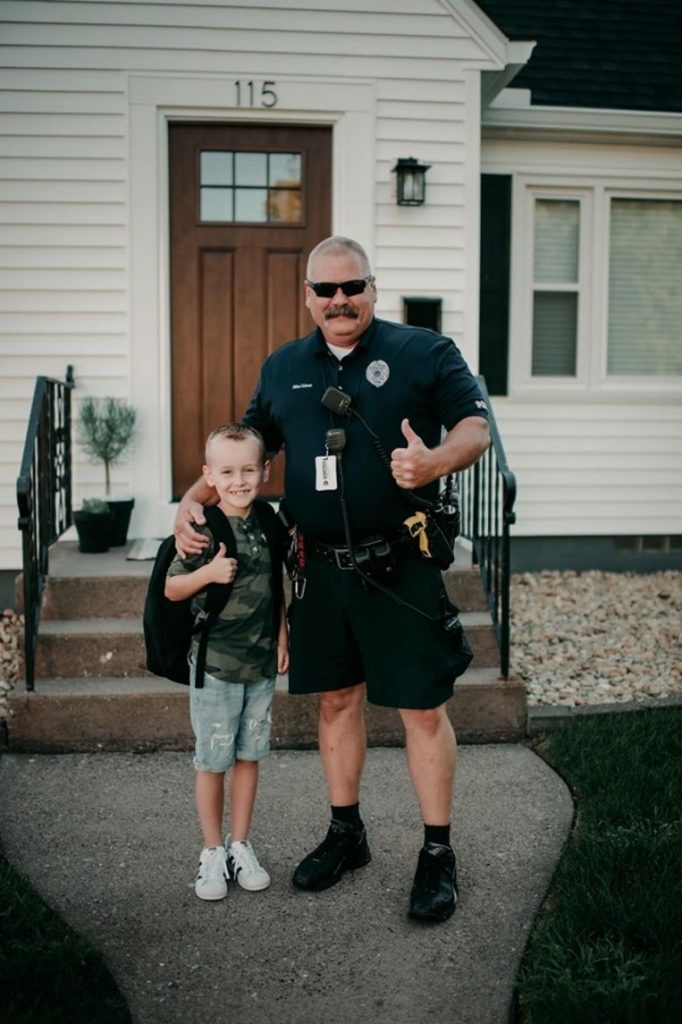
{"x":43,"y":497}
{"x":487,"y":493}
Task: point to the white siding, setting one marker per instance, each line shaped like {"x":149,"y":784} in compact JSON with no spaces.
{"x":63,"y":237}
{"x":65,"y":221}
{"x":594,"y":471}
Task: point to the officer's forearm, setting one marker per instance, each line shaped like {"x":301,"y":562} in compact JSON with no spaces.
{"x":461,"y":446}
{"x":199,"y":492}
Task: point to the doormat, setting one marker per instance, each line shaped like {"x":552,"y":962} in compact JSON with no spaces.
{"x":143,"y":550}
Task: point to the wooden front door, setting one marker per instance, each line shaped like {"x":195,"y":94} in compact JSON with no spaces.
{"x":247,"y":204}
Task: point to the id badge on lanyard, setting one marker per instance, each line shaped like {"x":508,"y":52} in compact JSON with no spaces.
{"x":325,"y":473}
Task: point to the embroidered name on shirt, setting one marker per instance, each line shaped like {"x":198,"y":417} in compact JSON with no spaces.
{"x":295,"y":386}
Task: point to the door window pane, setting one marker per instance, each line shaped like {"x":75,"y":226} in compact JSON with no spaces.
{"x":555,"y":316}
{"x":250,"y":204}
{"x":645,"y":288}
{"x":557,"y":235}
{"x":216,"y":204}
{"x":215,"y":168}
{"x":285,"y":170}
{"x":284,"y":206}
{"x":251,"y":168}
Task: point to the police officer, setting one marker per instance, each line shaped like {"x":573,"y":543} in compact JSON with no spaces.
{"x":367,"y":618}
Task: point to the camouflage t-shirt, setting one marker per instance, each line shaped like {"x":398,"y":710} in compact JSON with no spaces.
{"x":241,"y":646}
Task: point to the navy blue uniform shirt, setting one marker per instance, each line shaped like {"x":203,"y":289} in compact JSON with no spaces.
{"x":394,"y":371}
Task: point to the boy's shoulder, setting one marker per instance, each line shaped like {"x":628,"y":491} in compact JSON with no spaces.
{"x":190,"y":563}
{"x":270,"y":523}
{"x":217,"y":529}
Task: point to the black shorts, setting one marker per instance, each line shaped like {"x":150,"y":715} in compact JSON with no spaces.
{"x":344,"y":632}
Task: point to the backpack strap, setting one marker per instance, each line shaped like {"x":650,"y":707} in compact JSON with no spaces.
{"x":275,"y":535}
{"x":217,"y":594}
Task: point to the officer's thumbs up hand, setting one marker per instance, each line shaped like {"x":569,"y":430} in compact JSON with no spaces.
{"x":409,"y":434}
{"x":412,"y":466}
{"x":222,"y":569}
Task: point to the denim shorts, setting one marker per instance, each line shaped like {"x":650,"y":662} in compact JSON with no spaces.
{"x":231,"y":722}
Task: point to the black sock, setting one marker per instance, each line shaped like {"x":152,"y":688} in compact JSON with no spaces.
{"x":349,"y":814}
{"x":437,"y":834}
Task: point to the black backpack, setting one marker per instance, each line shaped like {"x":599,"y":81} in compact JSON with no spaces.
{"x":169,"y":626}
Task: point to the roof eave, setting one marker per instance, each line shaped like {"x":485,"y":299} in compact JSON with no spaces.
{"x":578,"y":123}
{"x":516,"y":57}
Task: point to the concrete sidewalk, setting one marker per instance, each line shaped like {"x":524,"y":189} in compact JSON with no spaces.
{"x":110,"y":841}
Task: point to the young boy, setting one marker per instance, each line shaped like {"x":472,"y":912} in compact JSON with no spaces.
{"x":231,"y":713}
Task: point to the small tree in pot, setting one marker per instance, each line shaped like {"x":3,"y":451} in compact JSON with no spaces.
{"x":105,"y":430}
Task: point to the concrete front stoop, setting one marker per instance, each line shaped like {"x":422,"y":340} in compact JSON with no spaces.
{"x":93,"y":693}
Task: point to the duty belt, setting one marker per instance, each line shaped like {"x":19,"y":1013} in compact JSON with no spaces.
{"x":342,"y":557}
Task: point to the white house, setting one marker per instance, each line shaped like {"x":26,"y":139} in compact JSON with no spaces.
{"x":165,"y":167}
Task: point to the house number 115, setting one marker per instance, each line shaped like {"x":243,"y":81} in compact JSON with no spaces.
{"x":248,"y":96}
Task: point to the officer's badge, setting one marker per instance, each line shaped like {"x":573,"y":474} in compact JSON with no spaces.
{"x":377,"y":373}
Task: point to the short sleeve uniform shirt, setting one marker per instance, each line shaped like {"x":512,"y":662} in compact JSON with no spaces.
{"x":395,"y":371}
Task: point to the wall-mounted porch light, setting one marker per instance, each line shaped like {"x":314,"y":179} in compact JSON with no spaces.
{"x":411,"y":181}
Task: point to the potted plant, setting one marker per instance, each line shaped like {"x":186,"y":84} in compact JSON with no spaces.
{"x":105,"y":429}
{"x":94,"y":521}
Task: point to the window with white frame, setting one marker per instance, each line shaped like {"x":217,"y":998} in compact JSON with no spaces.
{"x":598,"y":299}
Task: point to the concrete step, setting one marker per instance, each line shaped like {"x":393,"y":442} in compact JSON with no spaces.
{"x":70,"y":648}
{"x":109,"y":586}
{"x":465,"y":589}
{"x":147,"y":713}
{"x":102,"y":597}
{"x":79,"y":586}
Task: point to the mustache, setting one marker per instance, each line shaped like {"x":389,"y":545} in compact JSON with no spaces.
{"x":345,"y":310}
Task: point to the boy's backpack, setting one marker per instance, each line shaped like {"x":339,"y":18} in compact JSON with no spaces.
{"x":169,"y":626}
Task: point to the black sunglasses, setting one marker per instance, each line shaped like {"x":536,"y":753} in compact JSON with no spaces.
{"x":328,"y":289}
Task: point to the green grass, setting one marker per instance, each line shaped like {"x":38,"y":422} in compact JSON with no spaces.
{"x":607,"y":948}
{"x":48,"y":973}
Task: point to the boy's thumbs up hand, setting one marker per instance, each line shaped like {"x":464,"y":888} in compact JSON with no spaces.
{"x":412,"y":466}
{"x":222,"y":569}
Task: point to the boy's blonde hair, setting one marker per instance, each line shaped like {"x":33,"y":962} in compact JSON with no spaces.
{"x":235,"y":432}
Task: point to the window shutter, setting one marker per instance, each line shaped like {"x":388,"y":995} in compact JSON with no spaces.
{"x":494,"y":286}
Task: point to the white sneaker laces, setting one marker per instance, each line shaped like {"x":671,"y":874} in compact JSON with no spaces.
{"x":212,"y":867}
{"x":243,"y":853}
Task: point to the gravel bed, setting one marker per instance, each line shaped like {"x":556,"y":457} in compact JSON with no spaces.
{"x":597,"y":637}
{"x":10,"y":626}
{"x":577,"y":638}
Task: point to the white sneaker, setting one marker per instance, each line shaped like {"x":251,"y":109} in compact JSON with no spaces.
{"x":211,"y":883}
{"x":243,"y":866}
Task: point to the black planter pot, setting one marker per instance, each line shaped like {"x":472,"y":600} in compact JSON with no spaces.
{"x":122,"y":511}
{"x":94,"y":531}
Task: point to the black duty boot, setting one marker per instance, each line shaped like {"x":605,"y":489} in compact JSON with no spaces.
{"x":344,"y":847}
{"x":434,"y":892}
